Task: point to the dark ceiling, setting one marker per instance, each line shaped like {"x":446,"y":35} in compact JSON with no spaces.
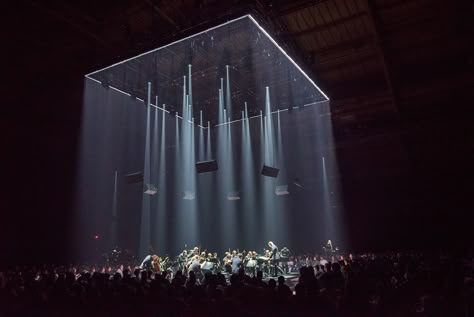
{"x":399,"y":74}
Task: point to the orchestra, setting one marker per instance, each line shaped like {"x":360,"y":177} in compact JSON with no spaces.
{"x":272,"y":262}
{"x":202,"y":262}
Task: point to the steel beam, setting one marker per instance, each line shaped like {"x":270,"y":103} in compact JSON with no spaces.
{"x":382,"y":54}
{"x":338,"y":22}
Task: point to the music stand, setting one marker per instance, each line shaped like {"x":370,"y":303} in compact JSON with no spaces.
{"x":281,"y":190}
{"x":151,"y":189}
{"x":189,"y":195}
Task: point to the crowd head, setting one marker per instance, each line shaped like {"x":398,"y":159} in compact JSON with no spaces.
{"x":391,"y":284}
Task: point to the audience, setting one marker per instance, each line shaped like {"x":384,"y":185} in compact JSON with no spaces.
{"x":392,"y":284}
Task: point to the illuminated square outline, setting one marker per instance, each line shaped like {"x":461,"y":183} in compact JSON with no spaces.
{"x":202,"y":32}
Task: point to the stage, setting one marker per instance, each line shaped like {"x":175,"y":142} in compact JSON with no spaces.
{"x":219,"y":140}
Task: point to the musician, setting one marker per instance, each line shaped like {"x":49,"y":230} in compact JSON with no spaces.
{"x":227,"y":260}
{"x":207,"y":265}
{"x":268,"y":261}
{"x":251,"y":262}
{"x":247,"y":256}
{"x":215,"y":260}
{"x":329,"y":246}
{"x":156,"y":263}
{"x":236,"y":263}
{"x":274,"y":257}
{"x":191,"y":254}
{"x":267,"y":253}
{"x":182,"y":260}
{"x":273,"y":250}
{"x":328,"y":249}
{"x":194,"y":265}
{"x":147,"y":261}
{"x":224,"y":259}
{"x":194,"y":252}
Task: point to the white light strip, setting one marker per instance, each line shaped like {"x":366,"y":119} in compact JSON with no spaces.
{"x":152,"y":105}
{"x":291,"y":60}
{"x":159,"y":108}
{"x":314,"y":103}
{"x":273,"y":112}
{"x":95,"y":80}
{"x":197,"y":125}
{"x":190,"y":122}
{"x":258,"y":115}
{"x":121,"y":91}
{"x":210,"y":29}
{"x":159,"y":48}
{"x":229,"y":122}
{"x":217,"y":125}
{"x":205,"y":31}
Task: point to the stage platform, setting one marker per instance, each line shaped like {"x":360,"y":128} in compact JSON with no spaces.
{"x":291,"y":279}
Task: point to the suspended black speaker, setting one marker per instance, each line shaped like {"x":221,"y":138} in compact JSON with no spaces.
{"x":206,"y":166}
{"x":270,"y":171}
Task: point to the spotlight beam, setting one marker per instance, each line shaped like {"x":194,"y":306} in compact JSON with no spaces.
{"x":146,"y":204}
